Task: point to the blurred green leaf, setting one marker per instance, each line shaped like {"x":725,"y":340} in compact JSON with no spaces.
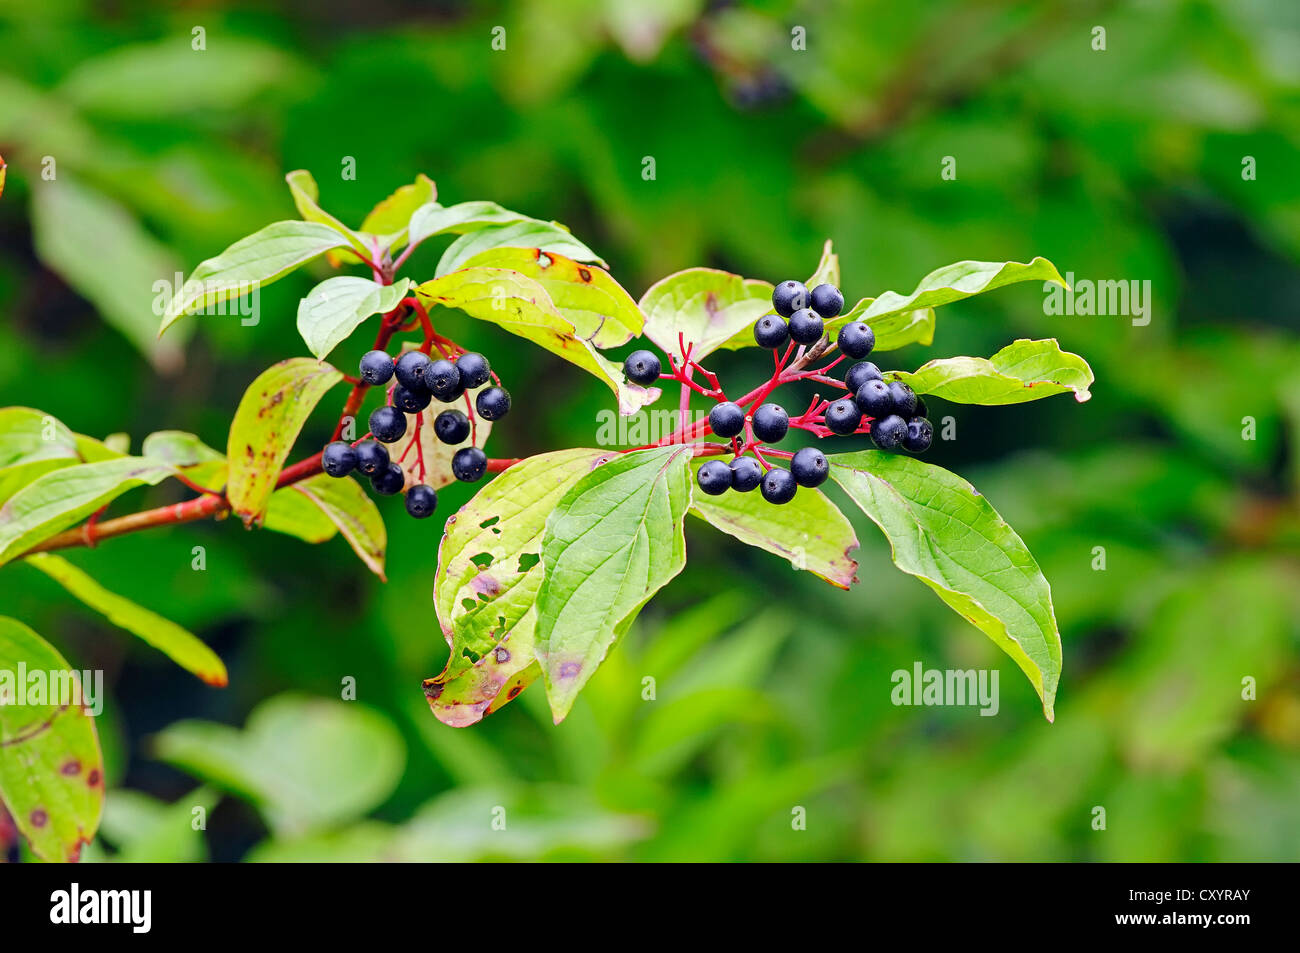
{"x":146,"y":830}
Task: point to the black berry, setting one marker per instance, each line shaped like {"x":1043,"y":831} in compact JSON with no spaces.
{"x":493,"y":403}
{"x":856,"y":340}
{"x":389,"y":480}
{"x":919,"y":436}
{"x":371,"y":457}
{"x":827,"y":300}
{"x":746,"y":474}
{"x":778,"y":486}
{"x":904,"y":399}
{"x":469,"y":464}
{"x":874,"y":400}
{"x":421,"y":501}
{"x":888,"y":432}
{"x":809,"y":467}
{"x":806,"y":326}
{"x":376,"y":367}
{"x":771,"y":331}
{"x":642,"y":367}
{"x":726,"y":419}
{"x":442,"y":380}
{"x":714,"y":477}
{"x":859,"y":374}
{"x":410,"y":370}
{"x":474,"y":369}
{"x":387,"y":424}
{"x":843,"y":416}
{"x":788,"y":297}
{"x":771,"y":423}
{"x":410,"y":401}
{"x":338,"y":458}
{"x":451,"y":426}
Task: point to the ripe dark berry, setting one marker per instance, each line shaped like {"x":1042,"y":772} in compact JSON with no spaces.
{"x":809,"y":467}
{"x":493,"y":403}
{"x":843,"y":416}
{"x":642,"y":367}
{"x":389,"y":480}
{"x":726,"y":419}
{"x":410,"y":370}
{"x":371,"y":457}
{"x":806,"y":326}
{"x":387,"y":424}
{"x":788,"y":297}
{"x":376,"y":367}
{"x":421,"y":501}
{"x":874,"y":400}
{"x":469,"y":464}
{"x":856,"y":340}
{"x":778,"y":486}
{"x":410,"y":401}
{"x":827,"y":300}
{"x":771,"y":423}
{"x":919,"y":436}
{"x":921,"y":409}
{"x":859,"y":374}
{"x":771,"y":331}
{"x":888,"y":432}
{"x":442,"y":380}
{"x":714,"y":478}
{"x":451,"y":426}
{"x":746,"y":474}
{"x":474,"y":369}
{"x":338,"y":459}
{"x":904,"y":399}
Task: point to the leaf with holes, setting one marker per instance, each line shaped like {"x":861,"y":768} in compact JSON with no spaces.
{"x":488,"y":575}
{"x":337,"y":306}
{"x":178,"y":644}
{"x":593,"y":302}
{"x":612,"y":542}
{"x":946,"y":534}
{"x":809,"y":531}
{"x":529,"y":233}
{"x":521,"y":306}
{"x":267,"y":422}
{"x":1022,"y":371}
{"x":51,"y":770}
{"x":711,"y":309}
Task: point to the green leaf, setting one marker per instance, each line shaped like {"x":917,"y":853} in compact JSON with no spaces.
{"x":32,"y":443}
{"x":711,"y":308}
{"x":809,"y":531}
{"x":294,"y":515}
{"x":593,"y":302}
{"x":614,"y":539}
{"x":529,"y":233}
{"x":179,"y":448}
{"x":306,"y":198}
{"x":1022,"y":371}
{"x":434,"y":219}
{"x":347,"y":505}
{"x":337,"y":306}
{"x":104,"y":254}
{"x":267,"y":422}
{"x":61,"y":498}
{"x":259,"y":259}
{"x":146,"y":830}
{"x":521,"y":306}
{"x":391,"y":217}
{"x":892,"y":331}
{"x":960,"y":280}
{"x":419,"y":443}
{"x":181,"y":646}
{"x":296,"y":760}
{"x":828,"y":269}
{"x":51,"y":770}
{"x":946,"y":534}
{"x":489,"y":571}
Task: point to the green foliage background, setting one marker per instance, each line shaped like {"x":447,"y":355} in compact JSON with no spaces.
{"x":773,"y":689}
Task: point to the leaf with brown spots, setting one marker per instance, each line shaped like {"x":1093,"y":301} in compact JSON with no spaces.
{"x":488,"y":576}
{"x":708,"y":307}
{"x":267,"y":422}
{"x":51,"y":770}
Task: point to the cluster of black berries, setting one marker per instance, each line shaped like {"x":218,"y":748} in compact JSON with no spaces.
{"x":419,"y":381}
{"x":897,"y":414}
{"x":800,"y":314}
